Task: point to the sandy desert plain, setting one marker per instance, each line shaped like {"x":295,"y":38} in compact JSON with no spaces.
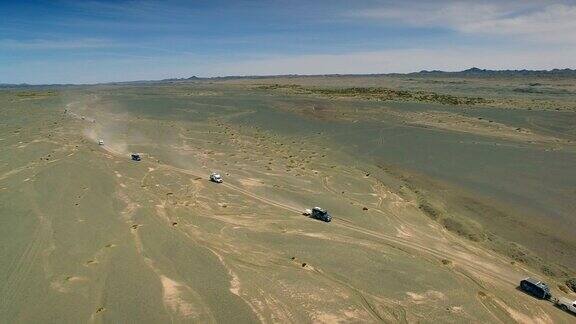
{"x":444,"y":192}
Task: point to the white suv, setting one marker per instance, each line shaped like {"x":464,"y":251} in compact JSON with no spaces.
{"x":215,"y":177}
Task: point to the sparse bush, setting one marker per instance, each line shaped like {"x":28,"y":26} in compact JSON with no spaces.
{"x":563,"y":289}
{"x":383,"y":94}
{"x":429,"y":210}
{"x":547,"y":270}
{"x":518,"y":253}
{"x":461,"y":228}
{"x":571,"y":283}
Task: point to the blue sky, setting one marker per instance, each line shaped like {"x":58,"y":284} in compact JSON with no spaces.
{"x":99,"y":41}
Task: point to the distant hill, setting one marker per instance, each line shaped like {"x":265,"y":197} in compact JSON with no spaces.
{"x":13,"y":86}
{"x":7,"y":86}
{"x":472,"y":72}
{"x":488,"y":73}
{"x":181,"y":79}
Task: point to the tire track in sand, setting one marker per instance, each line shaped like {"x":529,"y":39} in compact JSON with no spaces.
{"x":176,"y":296}
{"x":468,"y":264}
{"x":21,"y":268}
{"x":475,"y":267}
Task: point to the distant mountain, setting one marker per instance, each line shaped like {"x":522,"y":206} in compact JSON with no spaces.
{"x":192,"y":78}
{"x":33,"y":86}
{"x":488,"y":73}
{"x":472,"y":72}
{"x":9,"y":85}
{"x":465,"y":73}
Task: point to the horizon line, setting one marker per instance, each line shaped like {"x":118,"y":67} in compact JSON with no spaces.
{"x":194,"y":77}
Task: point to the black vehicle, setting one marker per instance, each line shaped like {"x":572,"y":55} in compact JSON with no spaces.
{"x":535,"y":288}
{"x":135,"y":157}
{"x":321,"y":214}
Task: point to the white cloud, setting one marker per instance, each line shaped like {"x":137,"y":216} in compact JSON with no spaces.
{"x":552,"y":23}
{"x":545,"y":22}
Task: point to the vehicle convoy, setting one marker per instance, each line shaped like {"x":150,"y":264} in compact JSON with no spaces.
{"x":566,"y":304}
{"x":535,"y":288}
{"x":318,"y":213}
{"x":216,"y":177}
{"x":135,"y":157}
